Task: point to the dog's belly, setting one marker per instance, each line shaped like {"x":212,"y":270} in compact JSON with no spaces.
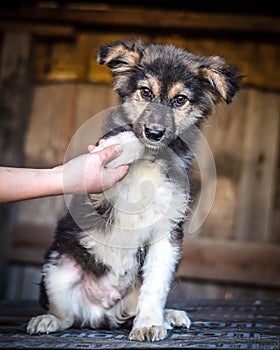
{"x":90,"y":298}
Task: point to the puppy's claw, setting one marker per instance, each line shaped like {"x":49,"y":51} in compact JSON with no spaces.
{"x":177,"y":318}
{"x":153,"y":333}
{"x":43,"y":324}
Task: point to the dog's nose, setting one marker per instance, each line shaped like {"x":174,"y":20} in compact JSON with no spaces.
{"x":154,"y":134}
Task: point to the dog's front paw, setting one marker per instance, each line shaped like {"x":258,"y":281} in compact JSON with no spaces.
{"x":177,"y":318}
{"x":133,"y":149}
{"x":43,"y":324}
{"x":153,"y":333}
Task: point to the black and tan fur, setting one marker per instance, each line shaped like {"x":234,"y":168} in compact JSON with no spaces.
{"x":114,"y":254}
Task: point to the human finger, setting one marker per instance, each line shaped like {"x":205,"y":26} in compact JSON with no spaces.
{"x":101,"y":141}
{"x":90,"y":148}
{"x":109,"y":153}
{"x":114,"y":175}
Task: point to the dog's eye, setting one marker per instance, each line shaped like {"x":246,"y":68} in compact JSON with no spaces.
{"x":179,"y":100}
{"x":146,"y":93}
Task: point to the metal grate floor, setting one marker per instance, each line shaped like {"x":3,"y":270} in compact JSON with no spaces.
{"x":216,"y":324}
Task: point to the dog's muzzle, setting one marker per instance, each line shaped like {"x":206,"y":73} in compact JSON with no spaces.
{"x":154,"y":135}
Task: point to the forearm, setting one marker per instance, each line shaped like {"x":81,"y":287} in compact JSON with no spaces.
{"x":23,"y":183}
{"x":83,"y":174}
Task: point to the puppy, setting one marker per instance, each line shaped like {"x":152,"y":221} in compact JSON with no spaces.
{"x":114,"y":254}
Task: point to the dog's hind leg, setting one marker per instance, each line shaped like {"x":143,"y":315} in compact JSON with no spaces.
{"x":48,"y":323}
{"x":59,"y":280}
{"x":58,"y":318}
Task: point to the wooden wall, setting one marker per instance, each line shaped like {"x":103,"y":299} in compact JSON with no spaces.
{"x":239,"y":241}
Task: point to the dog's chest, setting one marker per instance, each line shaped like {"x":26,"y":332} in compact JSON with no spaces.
{"x":146,"y":208}
{"x":140,"y":201}
{"x":144,"y":197}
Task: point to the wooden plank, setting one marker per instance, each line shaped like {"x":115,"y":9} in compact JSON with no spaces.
{"x":224,"y":260}
{"x":203,"y":258}
{"x":67,"y":60}
{"x":23,"y":282}
{"x":141,"y":18}
{"x":274,"y":232}
{"x":257,"y":60}
{"x":226,"y":128}
{"x":92,"y":100}
{"x":15,"y":101}
{"x":34,"y":228}
{"x":51,"y":125}
{"x":256,"y":186}
{"x":220,"y":220}
{"x":39,"y":29}
{"x":227,"y":134}
{"x":15,"y":95}
{"x":62,"y":60}
{"x":31,"y":285}
{"x":14,"y":283}
{"x":195,"y":288}
{"x":274,"y":235}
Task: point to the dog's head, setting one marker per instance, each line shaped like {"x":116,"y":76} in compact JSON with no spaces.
{"x":167,"y":89}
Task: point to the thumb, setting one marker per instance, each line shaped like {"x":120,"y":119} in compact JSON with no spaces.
{"x":109,"y":153}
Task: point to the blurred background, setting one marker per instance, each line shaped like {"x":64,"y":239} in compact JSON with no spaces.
{"x":50,"y":85}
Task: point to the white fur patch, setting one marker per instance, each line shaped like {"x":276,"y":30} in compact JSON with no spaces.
{"x":133,"y":149}
{"x":143,"y":200}
{"x":77,"y":297}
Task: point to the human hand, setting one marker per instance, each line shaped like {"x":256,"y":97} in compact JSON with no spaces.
{"x":133,"y":149}
{"x":87,"y":173}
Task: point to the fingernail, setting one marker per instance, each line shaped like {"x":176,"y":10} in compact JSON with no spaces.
{"x":118,"y":148}
{"x":124,"y":169}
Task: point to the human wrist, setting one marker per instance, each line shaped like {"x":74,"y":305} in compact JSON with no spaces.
{"x":55,"y":181}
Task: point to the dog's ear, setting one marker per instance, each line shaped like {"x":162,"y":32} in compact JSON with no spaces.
{"x":224,"y":79}
{"x":121,"y":56}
